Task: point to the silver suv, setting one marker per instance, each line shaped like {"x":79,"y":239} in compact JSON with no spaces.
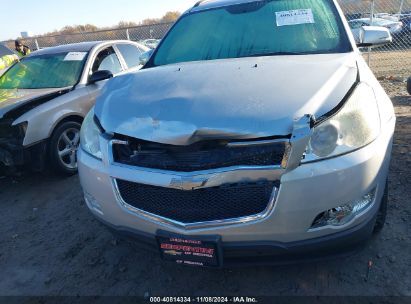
{"x":255,"y":133}
{"x":44,"y":98}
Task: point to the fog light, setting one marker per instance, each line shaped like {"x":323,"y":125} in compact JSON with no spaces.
{"x":92,"y":203}
{"x":344,"y":214}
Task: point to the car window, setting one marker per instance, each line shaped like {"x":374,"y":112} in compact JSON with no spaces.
{"x":262,"y":28}
{"x":107,"y":60}
{"x":45,"y":71}
{"x":131,"y":54}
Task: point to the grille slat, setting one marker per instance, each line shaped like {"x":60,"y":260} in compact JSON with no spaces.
{"x":197,"y":157}
{"x":202,"y":205}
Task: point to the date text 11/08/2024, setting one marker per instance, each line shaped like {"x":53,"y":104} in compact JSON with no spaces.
{"x":203,"y":300}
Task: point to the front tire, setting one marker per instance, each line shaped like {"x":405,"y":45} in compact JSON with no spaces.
{"x":63,"y":148}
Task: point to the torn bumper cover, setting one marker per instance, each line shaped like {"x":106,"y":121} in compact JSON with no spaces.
{"x":11,"y":144}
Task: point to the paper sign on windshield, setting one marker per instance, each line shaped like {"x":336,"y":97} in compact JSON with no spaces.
{"x":75,"y":56}
{"x":301,"y":16}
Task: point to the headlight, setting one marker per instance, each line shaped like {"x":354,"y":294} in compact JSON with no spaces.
{"x":90,"y":136}
{"x":356,"y":125}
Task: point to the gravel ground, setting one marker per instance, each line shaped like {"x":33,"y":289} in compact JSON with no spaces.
{"x":391,"y":64}
{"x":51,"y":245}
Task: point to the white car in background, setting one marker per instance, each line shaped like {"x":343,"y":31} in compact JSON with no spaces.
{"x":44,"y":98}
{"x":394,"y":27}
{"x":387,"y":16}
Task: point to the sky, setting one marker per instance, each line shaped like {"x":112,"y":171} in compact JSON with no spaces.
{"x":41,"y":16}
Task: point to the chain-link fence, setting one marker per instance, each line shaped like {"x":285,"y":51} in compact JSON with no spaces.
{"x":138,"y":33}
{"x":393,"y":59}
{"x":390,"y":60}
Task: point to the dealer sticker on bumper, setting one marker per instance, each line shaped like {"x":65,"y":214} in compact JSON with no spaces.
{"x":190,"y":251}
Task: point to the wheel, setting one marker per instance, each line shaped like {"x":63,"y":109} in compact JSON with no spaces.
{"x":382,"y":213}
{"x":63,"y":148}
{"x":409,"y":85}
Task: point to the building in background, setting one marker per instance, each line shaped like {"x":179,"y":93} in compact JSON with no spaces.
{"x":26,"y":34}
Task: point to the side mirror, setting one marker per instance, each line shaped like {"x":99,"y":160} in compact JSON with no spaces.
{"x":100,"y":76}
{"x":409,"y":85}
{"x":145,"y":57}
{"x":370,"y":36}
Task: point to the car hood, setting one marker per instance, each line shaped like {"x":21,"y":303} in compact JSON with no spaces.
{"x":225,"y":99}
{"x":12,"y":99}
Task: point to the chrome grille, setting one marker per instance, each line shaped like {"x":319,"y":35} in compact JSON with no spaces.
{"x":202,"y":205}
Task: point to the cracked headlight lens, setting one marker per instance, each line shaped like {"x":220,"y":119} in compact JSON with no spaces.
{"x":90,"y":136}
{"x":354,"y":126}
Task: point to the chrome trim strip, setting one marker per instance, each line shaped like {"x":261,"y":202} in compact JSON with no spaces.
{"x":256,"y":143}
{"x":214,"y":178}
{"x":199,"y":225}
{"x":194,"y":174}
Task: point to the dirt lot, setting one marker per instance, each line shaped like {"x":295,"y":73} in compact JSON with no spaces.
{"x":51,"y":245}
{"x":391,"y":64}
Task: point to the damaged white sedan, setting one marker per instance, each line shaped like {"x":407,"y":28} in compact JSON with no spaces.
{"x":45,"y":97}
{"x":255,"y":133}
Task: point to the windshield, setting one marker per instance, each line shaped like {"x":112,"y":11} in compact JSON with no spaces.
{"x":45,"y":71}
{"x":259,"y":28}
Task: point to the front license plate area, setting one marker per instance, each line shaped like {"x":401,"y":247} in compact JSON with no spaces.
{"x":190,"y":251}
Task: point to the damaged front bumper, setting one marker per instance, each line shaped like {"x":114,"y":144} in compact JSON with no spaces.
{"x":301,"y":192}
{"x":270,"y":252}
{"x":11,"y":143}
{"x":12,"y":152}
{"x":11,"y":155}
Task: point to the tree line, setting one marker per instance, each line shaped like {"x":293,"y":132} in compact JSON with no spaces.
{"x":75,"y":29}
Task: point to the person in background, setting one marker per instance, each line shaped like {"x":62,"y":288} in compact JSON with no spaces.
{"x":21,"y":49}
{"x":409,"y":85}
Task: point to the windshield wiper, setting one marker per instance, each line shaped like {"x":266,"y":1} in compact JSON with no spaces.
{"x":277,"y":54}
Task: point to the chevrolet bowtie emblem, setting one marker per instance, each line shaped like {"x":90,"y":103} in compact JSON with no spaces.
{"x":188,"y":183}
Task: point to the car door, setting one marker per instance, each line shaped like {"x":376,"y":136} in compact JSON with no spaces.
{"x":105,"y":59}
{"x":130,"y":54}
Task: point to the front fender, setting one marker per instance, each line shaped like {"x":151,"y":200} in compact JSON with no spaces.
{"x":43,"y":119}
